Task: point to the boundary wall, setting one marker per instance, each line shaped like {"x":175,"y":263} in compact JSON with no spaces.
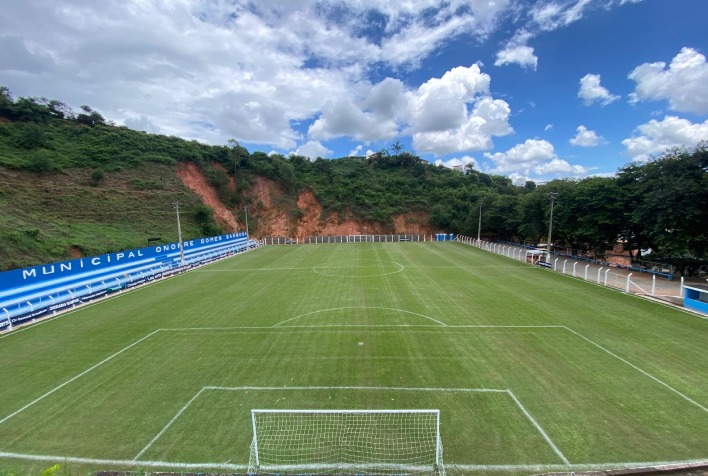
{"x":39,"y":291}
{"x":643,"y":284}
{"x":280,"y":240}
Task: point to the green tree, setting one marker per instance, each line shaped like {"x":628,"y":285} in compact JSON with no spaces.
{"x":6,"y":102}
{"x":90,"y":117}
{"x":667,"y":202}
{"x":32,"y":136}
{"x":397,"y":147}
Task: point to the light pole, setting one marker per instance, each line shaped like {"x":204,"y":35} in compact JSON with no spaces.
{"x":479,"y":226}
{"x":552,"y":196}
{"x":245,"y":209}
{"x":179,"y":236}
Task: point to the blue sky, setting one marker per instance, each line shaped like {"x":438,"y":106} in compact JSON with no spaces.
{"x":534,"y":90}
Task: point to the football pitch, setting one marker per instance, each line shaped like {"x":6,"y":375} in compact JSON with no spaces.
{"x":532,"y":371}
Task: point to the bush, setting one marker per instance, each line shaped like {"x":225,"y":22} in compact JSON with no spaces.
{"x":97,"y":177}
{"x":40,"y":162}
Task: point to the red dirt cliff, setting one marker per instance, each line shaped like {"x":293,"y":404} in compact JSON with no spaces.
{"x":271,"y":218}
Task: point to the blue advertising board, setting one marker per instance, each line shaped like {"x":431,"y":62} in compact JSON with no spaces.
{"x":28,"y":293}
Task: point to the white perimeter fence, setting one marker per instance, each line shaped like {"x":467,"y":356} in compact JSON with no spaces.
{"x":279,"y":240}
{"x":635,"y":283}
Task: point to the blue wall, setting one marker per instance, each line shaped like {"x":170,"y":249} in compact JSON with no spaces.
{"x":32,"y":292}
{"x":692,"y":300}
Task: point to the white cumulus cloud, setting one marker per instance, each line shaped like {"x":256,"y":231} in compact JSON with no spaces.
{"x":439,"y":104}
{"x":536,"y":156}
{"x":489,"y":118}
{"x":522,"y":55}
{"x":586,"y":138}
{"x":463,"y":162}
{"x":451,"y":113}
{"x":560,"y":166}
{"x":550,"y":15}
{"x":655,"y":137}
{"x":142,"y":123}
{"x":312,"y":149}
{"x":523,"y":156}
{"x":591,"y":91}
{"x":683,"y":84}
{"x":518,"y":52}
{"x":344,"y":117}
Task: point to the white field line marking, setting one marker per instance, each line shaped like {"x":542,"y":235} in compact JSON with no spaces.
{"x":79,"y":307}
{"x":483,"y":326}
{"x":360,"y":307}
{"x":76,"y":377}
{"x":657,"y":380}
{"x":239,"y":467}
{"x":365,"y":388}
{"x":295,"y":328}
{"x":330,"y":326}
{"x":538,"y":427}
{"x":396,"y":389}
{"x":127,"y":462}
{"x":654,"y":465}
{"x":402,"y":388}
{"x":250,"y":269}
{"x":140,"y":453}
{"x":316,"y":269}
{"x":233,"y":328}
{"x":397,"y":265}
{"x":426,"y":326}
{"x":82,"y":306}
{"x":237,"y":389}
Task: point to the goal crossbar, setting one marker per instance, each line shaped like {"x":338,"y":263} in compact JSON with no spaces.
{"x":346,"y":441}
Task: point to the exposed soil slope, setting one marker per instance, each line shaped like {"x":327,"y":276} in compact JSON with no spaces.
{"x":269,"y":214}
{"x":196,"y":181}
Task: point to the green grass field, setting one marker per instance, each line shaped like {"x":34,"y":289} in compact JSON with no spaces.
{"x":532,"y":371}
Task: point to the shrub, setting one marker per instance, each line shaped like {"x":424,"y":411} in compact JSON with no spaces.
{"x":97,"y":177}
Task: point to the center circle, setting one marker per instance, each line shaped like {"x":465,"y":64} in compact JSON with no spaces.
{"x":360,"y":269}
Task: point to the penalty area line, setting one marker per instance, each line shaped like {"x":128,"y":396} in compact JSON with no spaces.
{"x":164,"y":429}
{"x":533,"y":421}
{"x":397,"y":389}
{"x":235,"y":389}
{"x":76,"y":377}
{"x":643,"y":372}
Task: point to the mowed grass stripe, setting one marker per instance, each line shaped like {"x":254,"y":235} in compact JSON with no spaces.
{"x":593,"y":406}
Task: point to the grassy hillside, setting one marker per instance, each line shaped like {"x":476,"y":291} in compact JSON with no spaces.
{"x":76,"y":185}
{"x":59,"y":215}
{"x":76,"y":182}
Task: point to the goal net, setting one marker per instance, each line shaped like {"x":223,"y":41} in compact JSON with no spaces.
{"x":346,"y":442}
{"x":360,"y":238}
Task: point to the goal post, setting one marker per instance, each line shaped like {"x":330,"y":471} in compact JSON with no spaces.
{"x":346,"y":442}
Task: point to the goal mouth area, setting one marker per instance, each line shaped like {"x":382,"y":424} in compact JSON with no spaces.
{"x":363,"y":469}
{"x":373,"y":442}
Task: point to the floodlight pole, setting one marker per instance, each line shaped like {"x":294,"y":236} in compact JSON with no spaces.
{"x":246,"y":210}
{"x":179,"y":236}
{"x":479,"y":226}
{"x":552,"y":196}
